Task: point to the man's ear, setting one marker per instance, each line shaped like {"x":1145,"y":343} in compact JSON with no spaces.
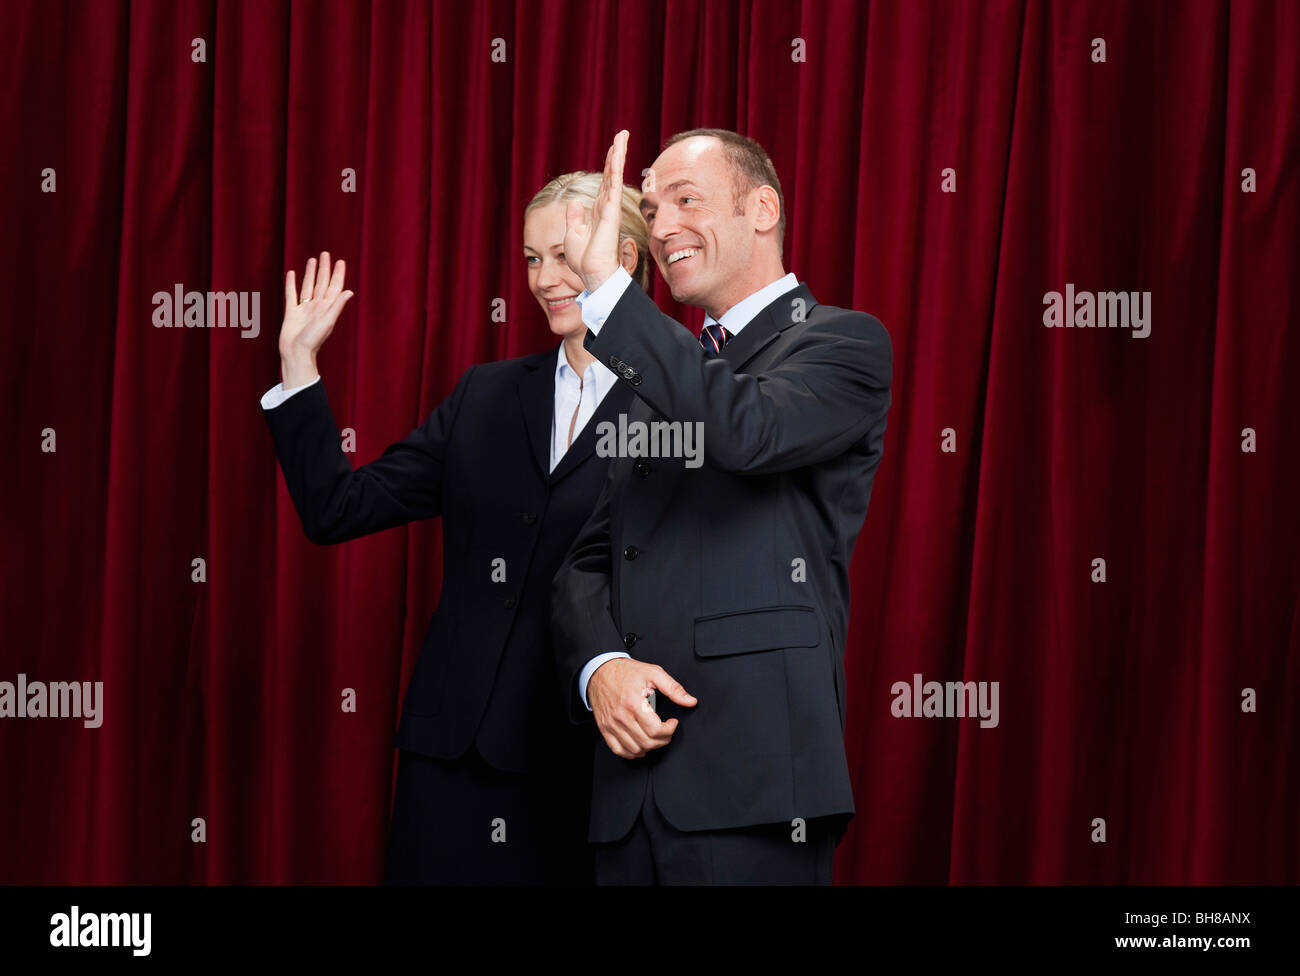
{"x":627,"y":255}
{"x":769,"y":208}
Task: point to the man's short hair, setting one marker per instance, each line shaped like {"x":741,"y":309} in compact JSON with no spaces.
{"x":751,"y":168}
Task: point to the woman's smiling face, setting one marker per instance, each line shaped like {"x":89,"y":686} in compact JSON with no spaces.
{"x":550,"y":279}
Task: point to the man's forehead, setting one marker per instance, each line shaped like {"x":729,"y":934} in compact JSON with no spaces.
{"x":693,"y":160}
{"x":689,"y":151}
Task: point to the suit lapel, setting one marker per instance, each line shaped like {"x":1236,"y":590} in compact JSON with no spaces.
{"x":786,"y":310}
{"x":537,"y":401}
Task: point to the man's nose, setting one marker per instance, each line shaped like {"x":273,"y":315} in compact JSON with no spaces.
{"x":664,"y":226}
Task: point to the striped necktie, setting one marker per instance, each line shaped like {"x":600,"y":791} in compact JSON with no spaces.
{"x":712,"y":339}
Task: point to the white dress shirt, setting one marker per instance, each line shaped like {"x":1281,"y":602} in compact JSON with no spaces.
{"x":574,"y":394}
{"x":597,"y":305}
{"x":277,"y":394}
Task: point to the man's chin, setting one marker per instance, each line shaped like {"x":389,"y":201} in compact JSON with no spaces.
{"x":681,"y":294}
{"x":687,"y":289}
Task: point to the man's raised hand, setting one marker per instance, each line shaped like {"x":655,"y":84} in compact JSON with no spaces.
{"x":309,"y":318}
{"x":591,"y":245}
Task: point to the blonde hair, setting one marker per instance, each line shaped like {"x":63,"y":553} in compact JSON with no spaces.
{"x":583,"y":187}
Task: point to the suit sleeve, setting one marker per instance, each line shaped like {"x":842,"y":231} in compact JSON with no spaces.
{"x":337,"y":503}
{"x":582,"y":621}
{"x":829,"y":391}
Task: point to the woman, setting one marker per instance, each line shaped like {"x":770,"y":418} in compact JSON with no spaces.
{"x":493,"y":781}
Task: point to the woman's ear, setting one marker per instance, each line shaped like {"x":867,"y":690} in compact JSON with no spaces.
{"x":627,"y":255}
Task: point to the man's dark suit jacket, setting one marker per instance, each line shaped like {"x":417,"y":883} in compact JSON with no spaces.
{"x":486,"y":672}
{"x":732,"y":576}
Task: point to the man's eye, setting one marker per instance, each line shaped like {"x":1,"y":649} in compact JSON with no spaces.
{"x":650,"y":216}
{"x":684,"y":199}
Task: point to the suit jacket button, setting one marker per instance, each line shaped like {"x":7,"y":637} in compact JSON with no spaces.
{"x":529,"y":518}
{"x":643,"y":468}
{"x":635,"y":379}
{"x":629,"y":641}
{"x":510,"y":602}
{"x":615,"y":362}
{"x":630,"y":552}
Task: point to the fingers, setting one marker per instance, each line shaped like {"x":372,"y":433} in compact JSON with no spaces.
{"x":662,"y":735}
{"x":574,"y":217}
{"x":621,"y":744}
{"x":650,"y":731}
{"x":335,"y":308}
{"x":318,"y":282}
{"x":615,"y":160}
{"x":637,"y":728}
{"x":322,"y":275}
{"x":621,"y":734}
{"x":619,"y":152}
{"x":336,"y":280}
{"x":632,"y":743}
{"x":610,"y":195}
{"x":670,"y":686}
{"x":631,"y":731}
{"x":308,"y":280}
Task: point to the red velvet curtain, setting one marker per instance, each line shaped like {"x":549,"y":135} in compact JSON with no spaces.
{"x":945,"y":166}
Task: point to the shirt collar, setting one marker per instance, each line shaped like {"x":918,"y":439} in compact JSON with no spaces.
{"x":739,"y":315}
{"x":564,"y":373}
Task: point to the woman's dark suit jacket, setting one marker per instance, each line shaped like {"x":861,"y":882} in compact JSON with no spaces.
{"x":486,"y":673}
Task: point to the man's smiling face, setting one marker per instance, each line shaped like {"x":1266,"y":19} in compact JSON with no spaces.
{"x":701,"y":245}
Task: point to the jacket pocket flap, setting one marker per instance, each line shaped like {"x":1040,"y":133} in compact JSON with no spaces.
{"x":755,"y":630}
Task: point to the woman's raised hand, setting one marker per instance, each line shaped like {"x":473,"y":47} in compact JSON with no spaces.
{"x":309,"y":318}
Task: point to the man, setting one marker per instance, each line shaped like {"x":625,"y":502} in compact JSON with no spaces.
{"x":701,"y":612}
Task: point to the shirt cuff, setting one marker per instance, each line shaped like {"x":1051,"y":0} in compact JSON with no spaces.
{"x":599,"y":659}
{"x":596,"y":305}
{"x":277,"y":394}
